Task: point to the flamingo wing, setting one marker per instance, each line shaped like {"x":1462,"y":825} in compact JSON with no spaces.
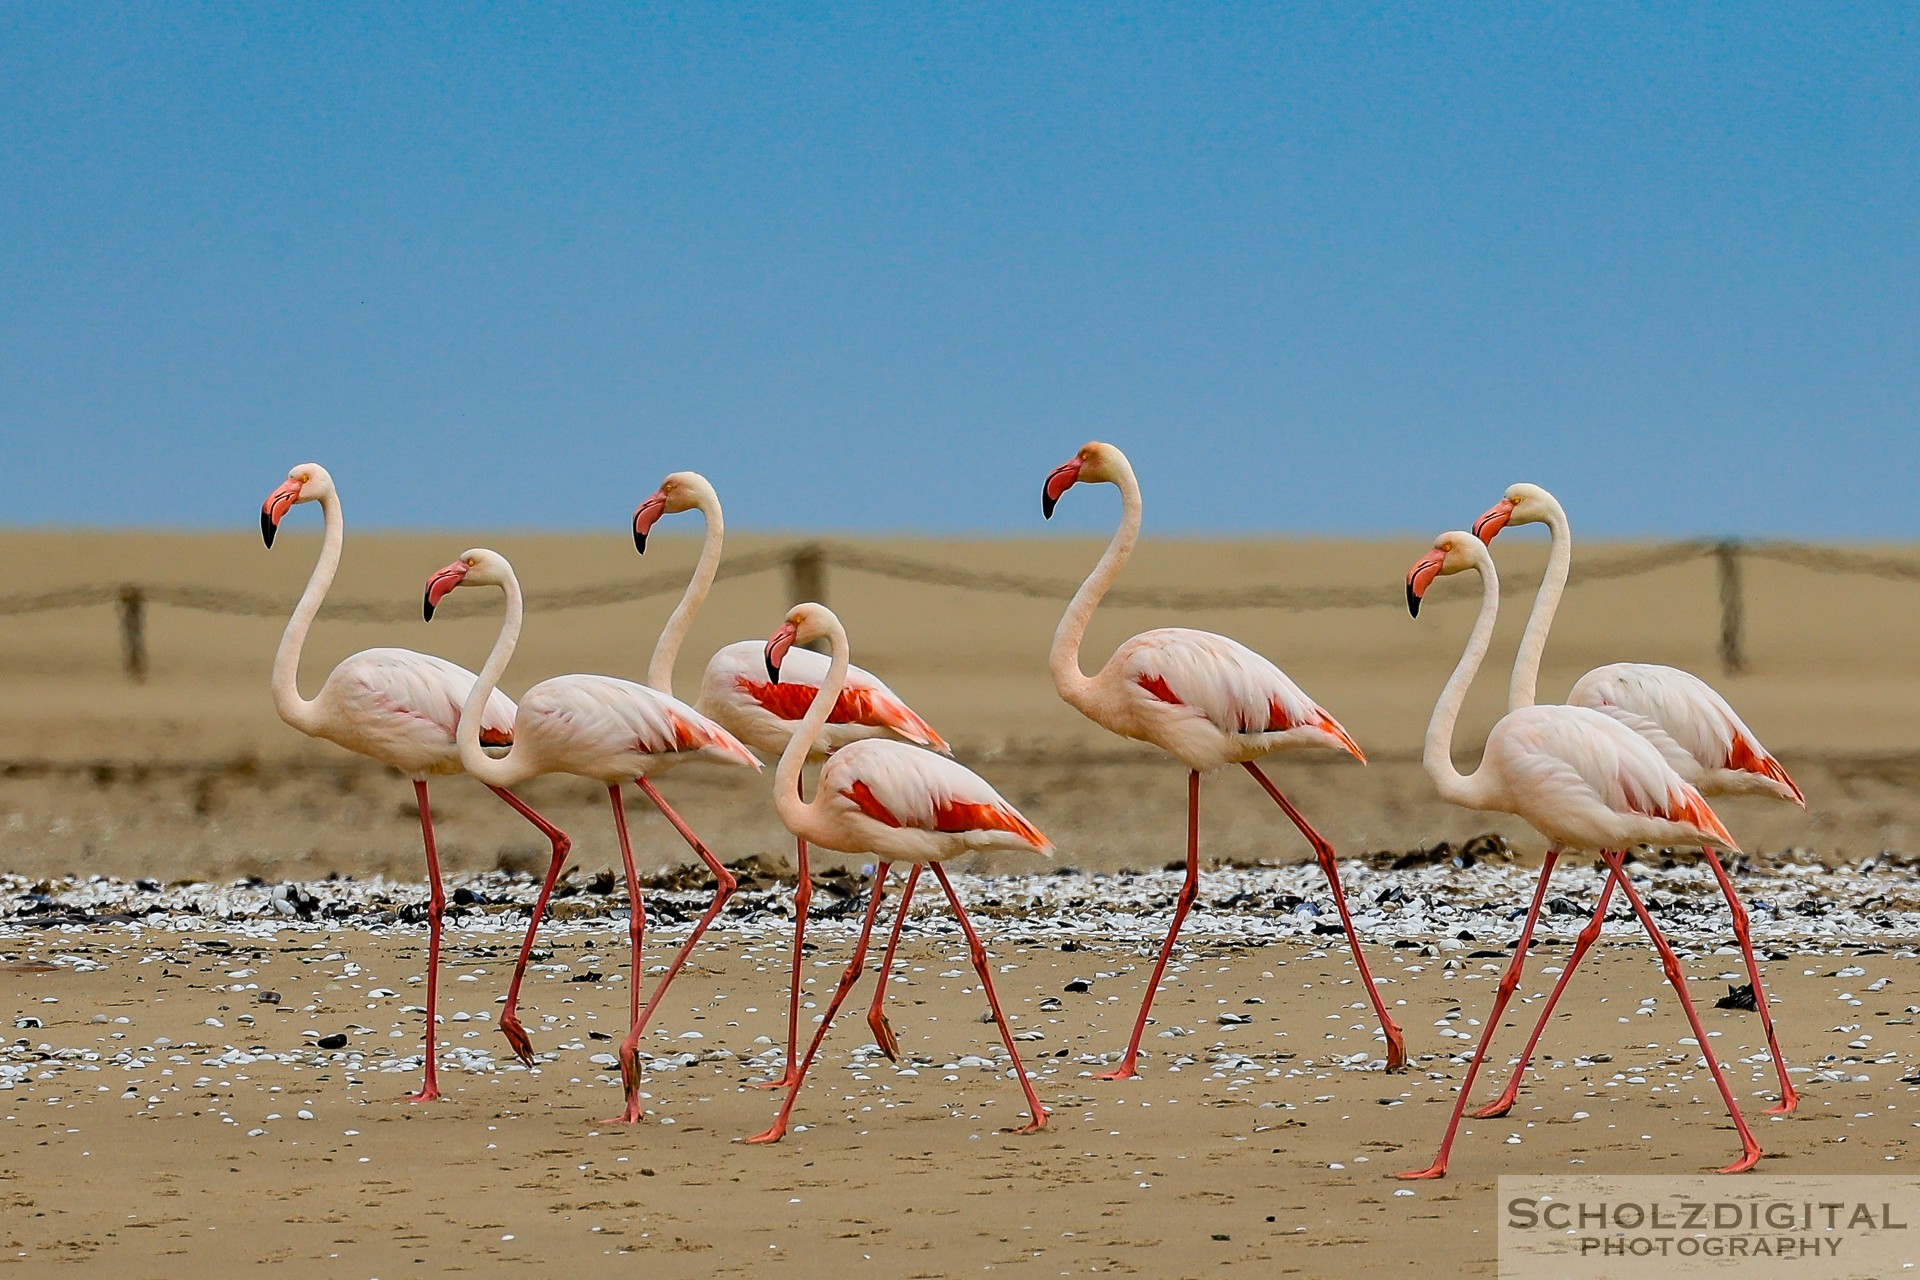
{"x":1687,"y":711}
{"x":903,"y":786}
{"x":739,"y":670}
{"x":1232,"y":687}
{"x":399,"y":685}
{"x":618,"y":716}
{"x":1585,"y":755}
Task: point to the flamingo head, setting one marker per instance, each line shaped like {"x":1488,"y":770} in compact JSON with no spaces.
{"x":681,"y":491}
{"x":478,"y":567}
{"x":1523,"y":504}
{"x":805,"y":624}
{"x":1452,"y":553}
{"x":1096,"y":463}
{"x":308,"y":482}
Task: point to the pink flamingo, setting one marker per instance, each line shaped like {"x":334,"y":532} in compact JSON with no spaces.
{"x":736,"y":693}
{"x":1690,"y":724}
{"x":1580,"y":778}
{"x":612,"y":731}
{"x":1204,"y":699}
{"x":397,"y":706}
{"x":897,"y":803}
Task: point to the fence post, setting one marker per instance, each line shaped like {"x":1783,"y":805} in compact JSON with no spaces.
{"x":807,"y":578}
{"x":1733,"y":658}
{"x":133,"y":632}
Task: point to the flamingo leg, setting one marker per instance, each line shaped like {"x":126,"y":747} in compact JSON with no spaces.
{"x":848,"y":977}
{"x":509,"y":1017}
{"x":436,"y":911}
{"x":636,"y":934}
{"x":1396,"y":1043}
{"x":1789,"y":1096}
{"x":978,"y":950}
{"x":1189,"y":891}
{"x":630,"y":1047}
{"x":802,"y":895}
{"x":877,"y":1015}
{"x":1503,"y":993}
{"x":1581,"y":945}
{"x":1677,"y":978}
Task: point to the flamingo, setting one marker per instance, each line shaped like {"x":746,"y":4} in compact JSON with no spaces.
{"x":896,"y":803}
{"x":612,"y":731}
{"x":762,"y":713}
{"x":1683,"y":716}
{"x":397,"y":706}
{"x":1580,"y":778}
{"x":1204,"y":699}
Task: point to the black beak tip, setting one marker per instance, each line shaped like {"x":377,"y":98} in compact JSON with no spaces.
{"x":640,"y":542}
{"x":426,"y":608}
{"x":1413,"y":601}
{"x":773,"y":669}
{"x":267,"y":528}
{"x":1046,"y":505}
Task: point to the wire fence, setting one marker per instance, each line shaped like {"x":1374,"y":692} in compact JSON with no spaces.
{"x":807,"y":566}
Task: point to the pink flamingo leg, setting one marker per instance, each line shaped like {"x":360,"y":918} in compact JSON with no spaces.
{"x":1396,"y":1043}
{"x":636,"y":933}
{"x":1581,"y":945}
{"x":848,"y":977}
{"x":1677,"y":978}
{"x":975,"y":948}
{"x":877,"y":1015}
{"x":1789,"y":1096}
{"x":1503,"y":993}
{"x":1189,"y":891}
{"x":509,"y":1017}
{"x":802,"y":895}
{"x":436,"y":910}
{"x":630,"y":1047}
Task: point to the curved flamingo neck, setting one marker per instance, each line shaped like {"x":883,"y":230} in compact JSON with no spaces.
{"x":666,"y":650}
{"x":505,"y":771}
{"x":794,"y":810}
{"x":1522,"y":690}
{"x":1437,"y":758}
{"x":1064,"y":659}
{"x":294,"y":709}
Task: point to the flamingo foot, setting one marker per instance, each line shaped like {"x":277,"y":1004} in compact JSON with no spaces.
{"x":429,"y":1094}
{"x":1497,"y":1108}
{"x":1438,"y":1169}
{"x":1125,"y":1071}
{"x":634,"y":1114}
{"x":517,"y":1037}
{"x":1786,"y":1106}
{"x":883,"y":1035}
{"x":774,"y":1134}
{"x":1748,"y":1158}
{"x":630,"y":1084}
{"x":785,"y":1081}
{"x":1396,"y":1049}
{"x":1032,"y":1126}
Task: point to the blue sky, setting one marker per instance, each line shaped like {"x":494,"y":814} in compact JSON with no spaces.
{"x":1341,"y":268}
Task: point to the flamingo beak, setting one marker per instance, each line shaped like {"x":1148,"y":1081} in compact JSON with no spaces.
{"x":1488,"y":526}
{"x":1421,"y":577}
{"x":439,"y":585}
{"x":275,"y":508}
{"x":777,"y":649}
{"x":644,"y":519}
{"x":1058,"y":482}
